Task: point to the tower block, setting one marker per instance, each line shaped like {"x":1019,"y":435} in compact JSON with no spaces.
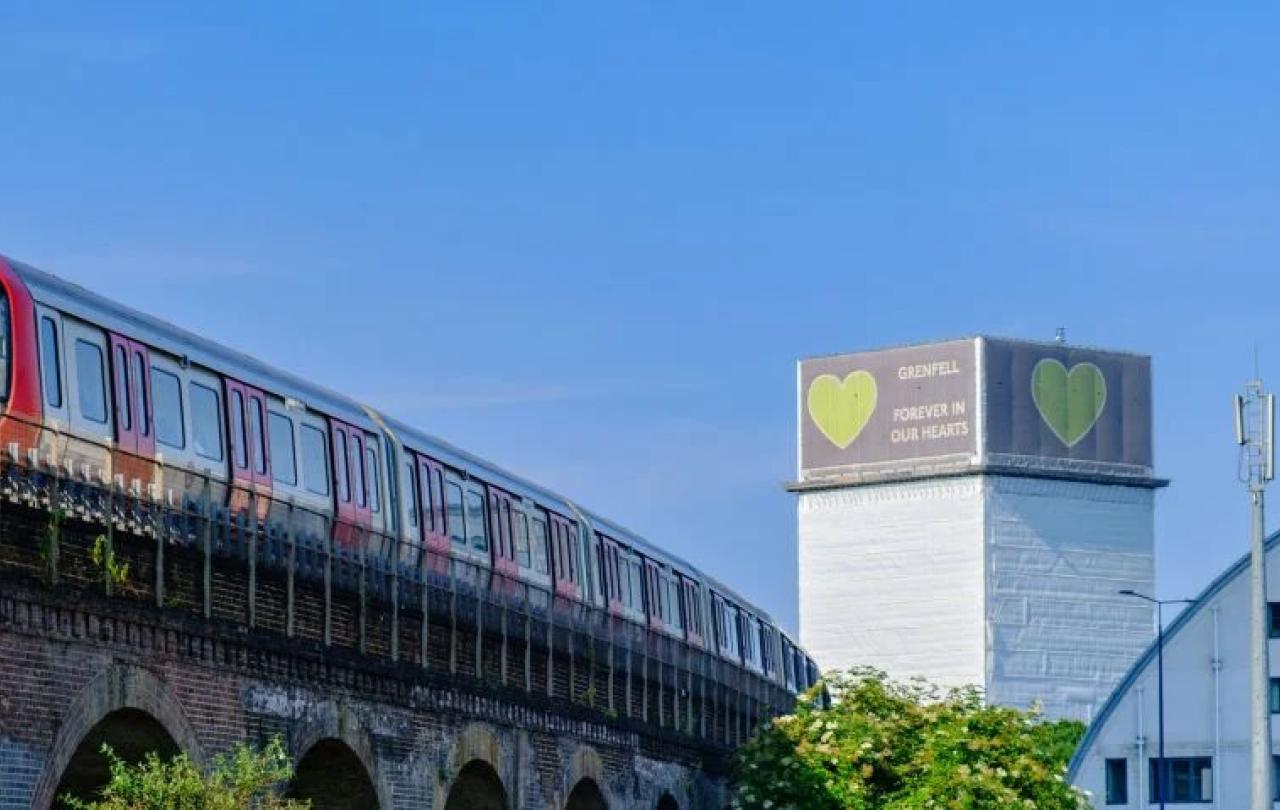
{"x":968,"y":511}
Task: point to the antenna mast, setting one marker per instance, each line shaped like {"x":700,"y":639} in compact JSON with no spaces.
{"x":1255,"y":432}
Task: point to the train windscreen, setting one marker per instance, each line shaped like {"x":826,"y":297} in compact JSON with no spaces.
{"x":6,"y":344}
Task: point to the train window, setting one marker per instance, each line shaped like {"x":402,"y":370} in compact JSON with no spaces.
{"x":457,"y":529}
{"x":375,"y":495}
{"x":538,"y":540}
{"x":393,"y":516}
{"x":259,"y":440}
{"x":694,"y":608}
{"x":315,"y":460}
{"x":636,"y":576}
{"x":237,"y":430}
{"x":144,"y":403}
{"x":50,"y":367}
{"x":411,"y":486}
{"x":522,"y":540}
{"x":283,"y":467}
{"x":167,"y":392}
{"x":664,"y":607}
{"x":437,"y":499}
{"x":122,"y":388}
{"x":475,"y":521}
{"x":357,"y":471}
{"x":673,"y":599}
{"x":90,"y":381}
{"x":341,"y":458}
{"x":570,"y":554}
{"x":206,"y":424}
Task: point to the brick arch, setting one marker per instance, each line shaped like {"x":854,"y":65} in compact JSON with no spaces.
{"x":586,"y":771}
{"x":476,"y":743}
{"x":332,"y":721}
{"x":119,"y":686}
{"x":585,"y":764}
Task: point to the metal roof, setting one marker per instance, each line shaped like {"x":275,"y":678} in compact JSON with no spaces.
{"x":1240,"y":567}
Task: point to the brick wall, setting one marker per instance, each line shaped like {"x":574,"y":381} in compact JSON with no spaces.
{"x":70,"y":654}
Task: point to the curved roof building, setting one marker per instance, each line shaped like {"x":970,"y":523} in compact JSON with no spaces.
{"x":1206,"y":699}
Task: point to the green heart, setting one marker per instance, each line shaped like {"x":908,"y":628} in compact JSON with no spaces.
{"x":1070,"y":402}
{"x":841,"y":409}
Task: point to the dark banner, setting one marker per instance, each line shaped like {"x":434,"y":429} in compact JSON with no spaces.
{"x":887,"y":406}
{"x":1066,"y":403}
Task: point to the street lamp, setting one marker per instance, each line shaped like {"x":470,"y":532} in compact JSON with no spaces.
{"x":1162,"y":767}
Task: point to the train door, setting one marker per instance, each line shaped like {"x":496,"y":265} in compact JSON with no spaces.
{"x":131,"y":392}
{"x":434,"y":519}
{"x":52,"y":380}
{"x":610,"y":575}
{"x":657,"y":596}
{"x":502,"y":532}
{"x":692,"y":611}
{"x":564,"y":562}
{"x":249,"y":444}
{"x":351,"y":497}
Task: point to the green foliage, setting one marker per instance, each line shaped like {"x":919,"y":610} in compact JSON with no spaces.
{"x":104,"y":559}
{"x":243,"y":778}
{"x":884,"y":745}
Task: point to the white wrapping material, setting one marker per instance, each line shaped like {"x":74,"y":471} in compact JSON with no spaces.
{"x":1008,"y":583}
{"x":1057,"y":553}
{"x":891,"y":577}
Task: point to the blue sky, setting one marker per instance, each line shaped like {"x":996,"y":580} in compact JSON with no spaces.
{"x":589,"y":240}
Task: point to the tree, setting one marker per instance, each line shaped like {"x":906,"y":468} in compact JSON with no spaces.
{"x":243,"y":778}
{"x":883,"y":745}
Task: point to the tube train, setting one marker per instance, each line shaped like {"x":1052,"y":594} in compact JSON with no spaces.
{"x":101,"y":389}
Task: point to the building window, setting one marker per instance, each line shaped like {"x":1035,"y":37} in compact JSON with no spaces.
{"x":1274,"y":698}
{"x":1186,"y":780}
{"x":1117,"y":781}
{"x":1273,"y":626}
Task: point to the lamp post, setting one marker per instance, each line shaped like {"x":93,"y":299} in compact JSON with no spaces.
{"x":1161,"y":766}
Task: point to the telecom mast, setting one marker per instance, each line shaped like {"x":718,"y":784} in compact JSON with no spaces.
{"x":1255,"y":430}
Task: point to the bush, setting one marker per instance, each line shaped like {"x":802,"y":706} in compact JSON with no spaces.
{"x":237,"y":780}
{"x":883,"y":745}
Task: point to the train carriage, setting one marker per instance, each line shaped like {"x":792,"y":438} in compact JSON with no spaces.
{"x":115,"y":396}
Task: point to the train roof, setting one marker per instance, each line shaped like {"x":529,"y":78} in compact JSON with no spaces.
{"x":82,"y":302}
{"x":68,"y":297}
{"x":457,"y":457}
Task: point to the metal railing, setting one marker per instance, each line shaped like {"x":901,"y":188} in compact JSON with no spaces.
{"x":387,"y":580}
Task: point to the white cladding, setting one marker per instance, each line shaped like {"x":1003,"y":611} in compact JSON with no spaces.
{"x":1206,"y":685}
{"x":891,"y":577}
{"x":1008,"y":583}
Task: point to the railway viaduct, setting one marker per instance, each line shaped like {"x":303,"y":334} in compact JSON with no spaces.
{"x":153,"y":627}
